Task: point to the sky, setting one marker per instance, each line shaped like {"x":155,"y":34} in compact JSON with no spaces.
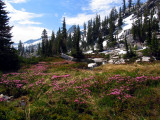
{"x":30,"y":17}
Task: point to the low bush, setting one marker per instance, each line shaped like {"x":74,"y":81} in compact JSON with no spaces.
{"x":146,"y":52}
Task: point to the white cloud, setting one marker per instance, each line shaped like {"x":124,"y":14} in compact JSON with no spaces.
{"x":20,"y":15}
{"x":101,"y":7}
{"x":23,"y":26}
{"x":29,"y":22}
{"x":24,"y":33}
{"x":17,"y":1}
{"x":23,"y":10}
{"x":79,"y":19}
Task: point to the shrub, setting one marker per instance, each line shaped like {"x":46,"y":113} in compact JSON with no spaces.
{"x":77,"y":54}
{"x":79,"y":65}
{"x":107,"y":57}
{"x":146,"y":52}
{"x":28,"y":61}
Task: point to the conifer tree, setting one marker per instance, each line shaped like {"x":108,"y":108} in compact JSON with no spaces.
{"x":145,"y":25}
{"x":98,"y":25}
{"x":115,"y":13}
{"x":149,"y":33}
{"x":151,"y":15}
{"x":130,"y":53}
{"x":84,"y":44}
{"x":85,"y":31}
{"x":20,"y":48}
{"x":64,"y":37}
{"x":69,"y":42}
{"x":94,"y":32}
{"x":112,"y":40}
{"x":32,"y":49}
{"x":146,"y":19}
{"x":89,"y":34}
{"x":154,"y":46}
{"x":78,"y":38}
{"x":138,"y":30}
{"x":138,"y":4}
{"x":100,"y":42}
{"x":126,"y":45}
{"x":44,"y":43}
{"x":8,"y":57}
{"x":105,"y":29}
{"x":129,"y":5}
{"x":47,"y":47}
{"x":155,"y":26}
{"x":53,"y":44}
{"x":76,"y":52}
{"x":74,"y":38}
{"x":59,"y":41}
{"x":124,"y":6}
{"x":158,"y":5}
{"x":120,"y":22}
{"x":5,"y":35}
{"x":39,"y":49}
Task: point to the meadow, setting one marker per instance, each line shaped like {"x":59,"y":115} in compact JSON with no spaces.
{"x":57,"y":89}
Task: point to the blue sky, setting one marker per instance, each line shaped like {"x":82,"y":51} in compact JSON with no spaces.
{"x":30,"y":17}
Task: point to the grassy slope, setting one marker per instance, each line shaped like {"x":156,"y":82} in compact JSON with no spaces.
{"x":63,"y":90}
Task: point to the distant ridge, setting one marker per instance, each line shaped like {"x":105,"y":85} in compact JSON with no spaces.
{"x":71,"y":29}
{"x":32,"y":41}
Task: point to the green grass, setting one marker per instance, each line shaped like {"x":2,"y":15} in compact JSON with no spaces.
{"x":84,"y":94}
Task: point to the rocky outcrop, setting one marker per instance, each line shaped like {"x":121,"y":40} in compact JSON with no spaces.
{"x":67,"y":57}
{"x":92,"y":65}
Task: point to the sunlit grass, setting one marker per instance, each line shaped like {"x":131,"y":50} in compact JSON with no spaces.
{"x":137,"y":69}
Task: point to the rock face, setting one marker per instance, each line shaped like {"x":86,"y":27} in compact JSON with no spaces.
{"x":5,"y":98}
{"x":111,"y":61}
{"x":71,"y":29}
{"x":116,"y":61}
{"x":98,"y":60}
{"x":92,"y":65}
{"x":145,"y":59}
{"x":67,"y":57}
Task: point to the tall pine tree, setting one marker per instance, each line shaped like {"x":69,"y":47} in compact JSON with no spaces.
{"x":44,"y":43}
{"x":112,"y":40}
{"x":64,"y":37}
{"x":76,"y":52}
{"x":129,"y":5}
{"x":124,"y":6}
{"x":120,"y":21}
{"x":85,"y":32}
{"x":158,"y":5}
{"x":69,"y":42}
{"x":100,"y":42}
{"x":39,"y":49}
{"x":59,"y":41}
{"x":89,"y":34}
{"x":138,"y":4}
{"x":8,"y":57}
{"x":105,"y":27}
{"x":20,"y":48}
{"x":53,"y":44}
{"x":155,"y":46}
